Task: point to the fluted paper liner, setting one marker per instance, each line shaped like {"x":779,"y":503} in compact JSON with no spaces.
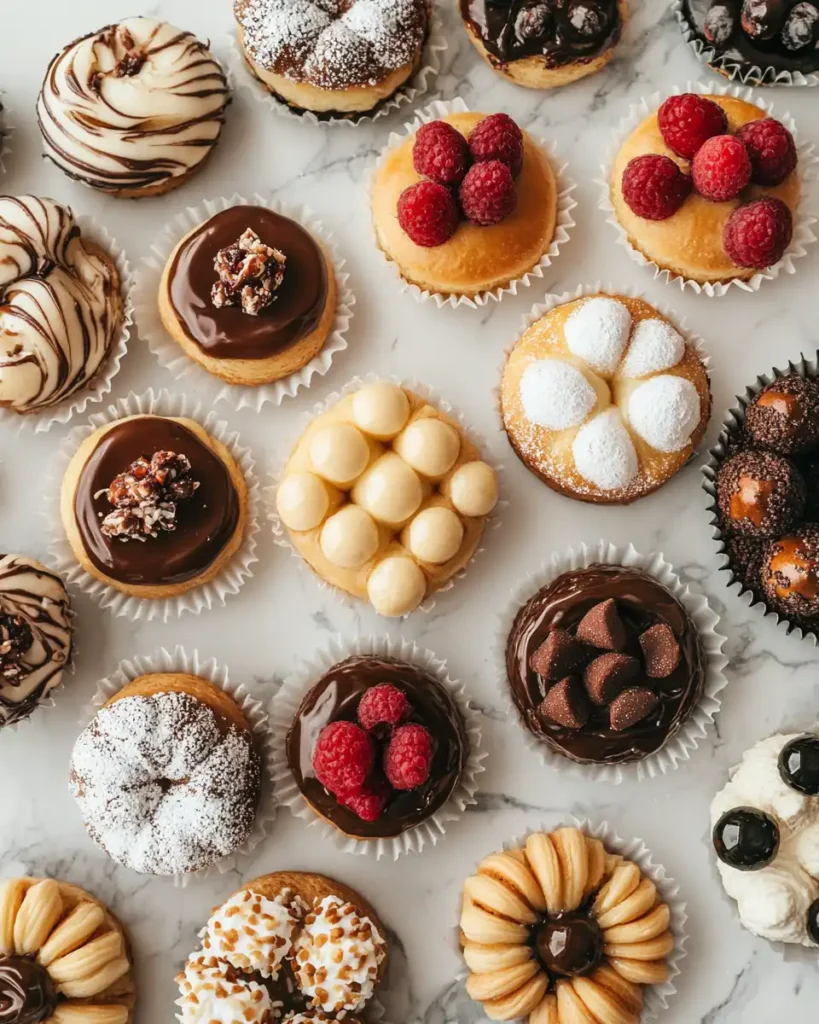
{"x":285,"y":706}
{"x":233,"y":574}
{"x":563,"y":224}
{"x":803,"y":220}
{"x":693,"y":729}
{"x":432,"y":397}
{"x":171,"y":355}
{"x":180,"y":660}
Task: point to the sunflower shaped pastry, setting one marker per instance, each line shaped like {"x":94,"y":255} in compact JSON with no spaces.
{"x":560,"y":931}
{"x":64,"y":957}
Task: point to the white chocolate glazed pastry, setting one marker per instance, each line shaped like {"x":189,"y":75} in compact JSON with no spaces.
{"x":60,"y":304}
{"x":133,"y":108}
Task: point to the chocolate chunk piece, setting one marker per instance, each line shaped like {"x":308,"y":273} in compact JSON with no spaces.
{"x":606,"y":676}
{"x":660,"y":651}
{"x":559,"y":655}
{"x":631,"y":707}
{"x":566,"y":704}
{"x":602,"y":627}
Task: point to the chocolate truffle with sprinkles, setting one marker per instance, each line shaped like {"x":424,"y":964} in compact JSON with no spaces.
{"x":759,"y":493}
{"x":784,"y":416}
{"x":745,"y":558}
{"x":790,"y":573}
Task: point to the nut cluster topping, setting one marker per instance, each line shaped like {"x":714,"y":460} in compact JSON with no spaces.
{"x":15,"y":639}
{"x":146,"y":495}
{"x":250,"y":273}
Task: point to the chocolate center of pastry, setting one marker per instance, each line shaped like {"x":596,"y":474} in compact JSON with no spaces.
{"x":569,"y":944}
{"x":15,"y":639}
{"x":27,"y":994}
{"x":249,"y":273}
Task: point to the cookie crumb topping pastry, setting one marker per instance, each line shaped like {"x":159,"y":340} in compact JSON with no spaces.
{"x":560,"y":930}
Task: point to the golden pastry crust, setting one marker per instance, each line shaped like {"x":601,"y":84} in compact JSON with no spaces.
{"x":548,"y":453}
{"x":225,"y":708}
{"x":68,"y":492}
{"x":475,"y":259}
{"x":689,"y":243}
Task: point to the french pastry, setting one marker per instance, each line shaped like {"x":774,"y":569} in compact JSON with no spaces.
{"x":64,"y":957}
{"x":291,"y":944}
{"x":385,"y":497}
{"x":134,"y":109}
{"x":604,"y":665}
{"x":61,"y":304}
{"x":250,"y":295}
{"x":35,"y":636}
{"x":603,"y":399}
{"x":336,"y":58}
{"x":153,"y":505}
{"x":377,"y":747}
{"x":465,"y":205}
{"x":562,"y":931}
{"x":166,"y":775}
{"x":543,"y":44}
{"x":707,"y":188}
{"x":765,"y":832}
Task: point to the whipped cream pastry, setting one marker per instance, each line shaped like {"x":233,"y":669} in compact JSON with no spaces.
{"x":132,"y":107}
{"x":60,"y":304}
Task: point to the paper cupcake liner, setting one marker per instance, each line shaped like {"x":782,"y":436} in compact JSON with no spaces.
{"x":430,"y":395}
{"x":701,"y":718}
{"x":420,"y":83}
{"x":285,"y":706}
{"x":235,"y":572}
{"x":736,"y":71}
{"x":101,"y":383}
{"x":732,"y":424}
{"x":804,"y":217}
{"x":170,"y":354}
{"x":563,"y":225}
{"x":179,"y":660}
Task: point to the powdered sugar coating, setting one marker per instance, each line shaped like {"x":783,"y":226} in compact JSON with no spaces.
{"x":598,"y":331}
{"x":655,"y":346}
{"x":253,"y":933}
{"x":604,"y":453}
{"x":555,"y":394}
{"x":212,"y":994}
{"x":665,"y":412}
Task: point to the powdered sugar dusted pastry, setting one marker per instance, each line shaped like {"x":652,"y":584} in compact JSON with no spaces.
{"x":604,"y":399}
{"x":60,"y":304}
{"x":134,"y":109}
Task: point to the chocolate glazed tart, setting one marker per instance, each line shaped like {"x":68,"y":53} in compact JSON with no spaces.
{"x":642,"y":602}
{"x":228,"y":332}
{"x":336,"y":697}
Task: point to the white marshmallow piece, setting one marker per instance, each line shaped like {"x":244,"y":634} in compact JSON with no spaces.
{"x":655,"y":346}
{"x":604,"y":453}
{"x":555,"y":395}
{"x":665,"y":412}
{"x":598,"y":332}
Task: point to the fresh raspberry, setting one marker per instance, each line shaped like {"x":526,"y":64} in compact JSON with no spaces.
{"x":758,"y":233}
{"x":488,"y":193}
{"x":654,"y":187}
{"x":408,"y":757}
{"x":687,"y":121}
{"x":368,"y":803}
{"x":343,"y":758}
{"x":497,"y":137}
{"x":440,"y":153}
{"x":721,"y":168}
{"x":383,"y":705}
{"x":428,"y":214}
{"x":771,"y":148}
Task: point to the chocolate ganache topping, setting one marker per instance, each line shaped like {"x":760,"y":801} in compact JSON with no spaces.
{"x":336,"y":697}
{"x":27,"y":994}
{"x":227,"y":331}
{"x":204,"y":522}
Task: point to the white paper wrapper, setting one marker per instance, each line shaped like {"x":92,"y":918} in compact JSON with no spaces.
{"x":804,"y":218}
{"x":286,"y":703}
{"x":232,"y":576}
{"x":744,"y":71}
{"x":180,"y":660}
{"x":430,"y":395}
{"x":420,"y":83}
{"x":563,"y":226}
{"x":680,"y":746}
{"x":101,"y":383}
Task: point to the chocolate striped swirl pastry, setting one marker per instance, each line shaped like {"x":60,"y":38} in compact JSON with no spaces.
{"x":60,"y":304}
{"x":132,"y":109}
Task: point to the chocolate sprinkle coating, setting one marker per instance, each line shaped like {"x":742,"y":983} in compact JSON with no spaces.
{"x":760,"y":494}
{"x":784,"y":416}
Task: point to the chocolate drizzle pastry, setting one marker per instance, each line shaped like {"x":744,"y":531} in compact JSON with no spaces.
{"x":146,"y":495}
{"x":60,"y":304}
{"x":27,"y":994}
{"x":134,"y":107}
{"x":249,"y":274}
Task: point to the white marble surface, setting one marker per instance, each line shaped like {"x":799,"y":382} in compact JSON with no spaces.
{"x":728,"y":975}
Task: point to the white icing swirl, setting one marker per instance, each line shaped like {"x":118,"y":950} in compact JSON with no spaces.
{"x":212,"y":994}
{"x":253,"y":933}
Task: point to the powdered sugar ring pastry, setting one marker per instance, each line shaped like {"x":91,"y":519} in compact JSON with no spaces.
{"x":64,"y":957}
{"x":133,"y":109}
{"x":604,"y":399}
{"x":61,"y":304}
{"x":166,"y":776}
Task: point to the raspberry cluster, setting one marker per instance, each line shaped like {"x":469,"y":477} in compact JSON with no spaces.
{"x":364,"y":764}
{"x":722,"y":165}
{"x":462,"y":177}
